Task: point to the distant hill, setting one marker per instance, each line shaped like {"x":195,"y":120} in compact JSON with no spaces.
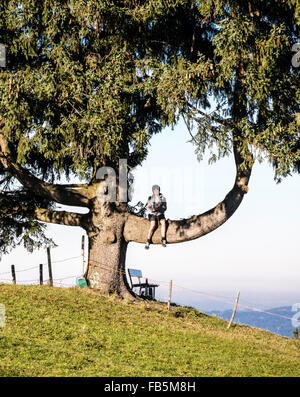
{"x":278,"y":325}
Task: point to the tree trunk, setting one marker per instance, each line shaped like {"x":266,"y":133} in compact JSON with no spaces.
{"x":107,"y":254}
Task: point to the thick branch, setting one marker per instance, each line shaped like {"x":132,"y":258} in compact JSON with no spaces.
{"x":34,"y":184}
{"x":136,"y":228}
{"x":58,"y":217}
{"x":72,"y":185}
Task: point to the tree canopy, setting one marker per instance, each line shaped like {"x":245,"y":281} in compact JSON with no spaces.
{"x":89,"y":82}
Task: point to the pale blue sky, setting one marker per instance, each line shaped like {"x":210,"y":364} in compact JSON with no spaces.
{"x":256,"y":251}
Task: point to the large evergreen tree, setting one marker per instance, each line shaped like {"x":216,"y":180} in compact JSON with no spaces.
{"x":88,"y":82}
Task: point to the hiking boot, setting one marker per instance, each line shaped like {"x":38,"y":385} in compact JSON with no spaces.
{"x":147,"y":245}
{"x":163,"y":242}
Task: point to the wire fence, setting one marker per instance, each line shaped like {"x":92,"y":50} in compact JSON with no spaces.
{"x":36,"y":280}
{"x":58,"y":282}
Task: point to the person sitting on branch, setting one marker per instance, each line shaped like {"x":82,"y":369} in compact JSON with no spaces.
{"x":156,"y":207}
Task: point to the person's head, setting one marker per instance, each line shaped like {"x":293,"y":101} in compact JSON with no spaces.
{"x":156,"y":189}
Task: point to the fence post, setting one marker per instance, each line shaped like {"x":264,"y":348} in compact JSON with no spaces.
{"x":169,"y":297}
{"x":41,"y":274}
{"x":13,"y":273}
{"x":82,"y":253}
{"x":234,"y":309}
{"x":49,"y":267}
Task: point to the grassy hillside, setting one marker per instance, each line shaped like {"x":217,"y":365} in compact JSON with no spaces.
{"x":73,"y":332}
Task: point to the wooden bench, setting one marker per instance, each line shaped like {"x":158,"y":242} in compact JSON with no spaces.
{"x":145,"y":289}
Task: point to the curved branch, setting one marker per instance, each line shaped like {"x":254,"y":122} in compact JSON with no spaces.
{"x":58,"y":217}
{"x":72,"y":185}
{"x":136,"y":228}
{"x":34,"y":184}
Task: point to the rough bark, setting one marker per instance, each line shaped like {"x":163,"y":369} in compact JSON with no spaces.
{"x":107,"y":252}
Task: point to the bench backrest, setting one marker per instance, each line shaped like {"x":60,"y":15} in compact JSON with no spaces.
{"x":135,"y":273}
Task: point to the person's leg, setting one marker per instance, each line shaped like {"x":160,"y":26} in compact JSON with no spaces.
{"x":163,"y":231}
{"x":151,"y":229}
{"x":150,"y":232}
{"x":163,"y":227}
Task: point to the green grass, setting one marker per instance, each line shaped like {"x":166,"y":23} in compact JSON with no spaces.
{"x":76,"y":332}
